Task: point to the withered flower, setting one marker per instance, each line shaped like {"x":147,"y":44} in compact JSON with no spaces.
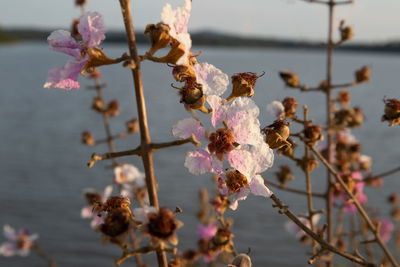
{"x":393,"y":198}
{"x":311,"y":163}
{"x":313,"y":134}
{"x":116,"y":225}
{"x":220,"y":203}
{"x":290,"y":104}
{"x":112,"y":108}
{"x":277,"y":134}
{"x":87,"y":138}
{"x":221,"y":142}
{"x":284,"y":175}
{"x":287,"y":150}
{"x":392,"y":111}
{"x":290,"y":79}
{"x":181,"y":73}
{"x":192,"y":96}
{"x":363,"y":74}
{"x":159,"y":36}
{"x":175,"y":53}
{"x":242,"y":260}
{"x":223,"y":239}
{"x":343,"y":98}
{"x":162,"y":225}
{"x":97,"y":58}
{"x":348,"y":117}
{"x":132,"y":126}
{"x":235,"y":181}
{"x":243,"y":84}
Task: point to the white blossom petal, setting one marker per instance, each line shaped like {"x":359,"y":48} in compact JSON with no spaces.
{"x":141,"y":214}
{"x":219,"y":109}
{"x":258,"y":188}
{"x":186,"y":127}
{"x":241,"y":195}
{"x":214,"y":81}
{"x":198,"y":162}
{"x":8,"y":249}
{"x":263,"y":156}
{"x":276,"y":109}
{"x":242,"y":160}
{"x":177,"y":19}
{"x":9,"y":232}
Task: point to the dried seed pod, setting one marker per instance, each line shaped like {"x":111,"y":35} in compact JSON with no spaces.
{"x":392,"y":111}
{"x":235,"y":181}
{"x":112,"y":108}
{"x":87,"y":138}
{"x":132,"y":126}
{"x":277,"y":134}
{"x":363,"y":74}
{"x":290,"y":79}
{"x":284,"y":175}
{"x":243,"y":84}
{"x":290,"y":104}
{"x":159,"y":36}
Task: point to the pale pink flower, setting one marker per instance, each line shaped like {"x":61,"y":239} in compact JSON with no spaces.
{"x":142,"y":214}
{"x":276,"y":109}
{"x":87,"y":211}
{"x":349,"y":206}
{"x":214,"y":81}
{"x":206,"y":231}
{"x":92,"y":29}
{"x":128,"y":177}
{"x":19,"y":243}
{"x":177,"y":20}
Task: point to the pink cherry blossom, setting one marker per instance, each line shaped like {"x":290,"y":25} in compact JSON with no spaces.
{"x":92,"y":29}
{"x":19,"y":243}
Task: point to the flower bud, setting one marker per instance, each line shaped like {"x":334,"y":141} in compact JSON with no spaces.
{"x":112,"y":108}
{"x":393,"y":198}
{"x":98,"y":104}
{"x":290,"y":79}
{"x":87,"y":138}
{"x":222,"y":237}
{"x":311,"y":163}
{"x":363,"y":74}
{"x":396,"y":214}
{"x":343,"y":98}
{"x":290,"y":104}
{"x":243,"y":84}
{"x":342,"y":245}
{"x":159,"y":36}
{"x":80,"y":2}
{"x":242,"y":260}
{"x":132,"y":126}
{"x":284,"y":175}
{"x":277,"y":133}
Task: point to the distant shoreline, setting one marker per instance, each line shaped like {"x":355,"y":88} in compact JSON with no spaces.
{"x":214,"y":39}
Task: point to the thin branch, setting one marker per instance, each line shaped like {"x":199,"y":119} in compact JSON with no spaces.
{"x":43,"y":255}
{"x":283,"y":209}
{"x":387,"y":173}
{"x":292,"y":190}
{"x":360,"y":209}
{"x":114,"y":137}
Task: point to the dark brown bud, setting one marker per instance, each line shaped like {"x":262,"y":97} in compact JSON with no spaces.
{"x":290,"y":79}
{"x":159,"y":36}
{"x":113,"y":108}
{"x":343,"y":98}
{"x":92,"y":197}
{"x":132,"y":126}
{"x":87,"y":138}
{"x":313,"y":134}
{"x":182,"y":73}
{"x":287,"y":150}
{"x":290,"y":104}
{"x":221,"y":142}
{"x":342,"y":245}
{"x":348,"y":117}
{"x":222,"y":237}
{"x":235,"y":181}
{"x":243,"y":84}
{"x":284,"y":175}
{"x":192,"y":96}
{"x":396,"y":214}
{"x":363,"y":74}
{"x":323,"y":85}
{"x":74,"y":29}
{"x":311,"y":163}
{"x":393,"y":198}
{"x":80,"y":2}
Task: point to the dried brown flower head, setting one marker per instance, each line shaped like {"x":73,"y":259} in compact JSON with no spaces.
{"x":116,"y":223}
{"x":235,"y":181}
{"x":159,"y":36}
{"x":221,"y":142}
{"x":287,"y":150}
{"x":98,"y":104}
{"x":313,"y":134}
{"x":346,"y":32}
{"x":175,"y":53}
{"x":348,"y":117}
{"x":132,"y":126}
{"x":363,"y":74}
{"x":343,"y":98}
{"x":112,"y":108}
{"x":181,"y":73}
{"x":290,"y":79}
{"x":220,"y":203}
{"x":311,"y":163}
{"x":162,"y":225}
{"x":243,"y":84}
{"x":87,"y":138}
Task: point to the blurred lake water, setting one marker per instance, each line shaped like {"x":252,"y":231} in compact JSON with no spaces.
{"x":43,"y":165}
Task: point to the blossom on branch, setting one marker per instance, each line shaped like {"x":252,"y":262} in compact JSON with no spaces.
{"x":19,"y":243}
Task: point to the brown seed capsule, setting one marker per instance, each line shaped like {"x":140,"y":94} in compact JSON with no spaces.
{"x":132,"y":126}
{"x":116,"y":222}
{"x":290,"y":104}
{"x":221,"y":142}
{"x":243,"y":84}
{"x":313,"y":134}
{"x":290,"y":79}
{"x":182,"y":73}
{"x":235,"y":181}
{"x":159,"y":36}
{"x":277,"y":133}
{"x":98,"y":104}
{"x":80,"y":2}
{"x":284,"y":175}
{"x":287,"y":150}
{"x":342,"y":245}
{"x":162,"y":225}
{"x":112,"y":108}
{"x":346,"y":32}
{"x":393,"y":198}
{"x":392,"y":111}
{"x":222,"y":237}
{"x":363,"y":74}
{"x":311,"y":163}
{"x":87,"y":138}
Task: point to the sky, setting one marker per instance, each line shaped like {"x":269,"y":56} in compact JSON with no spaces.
{"x":373,"y":20}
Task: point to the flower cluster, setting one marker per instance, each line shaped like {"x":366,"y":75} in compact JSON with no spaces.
{"x":19,"y":242}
